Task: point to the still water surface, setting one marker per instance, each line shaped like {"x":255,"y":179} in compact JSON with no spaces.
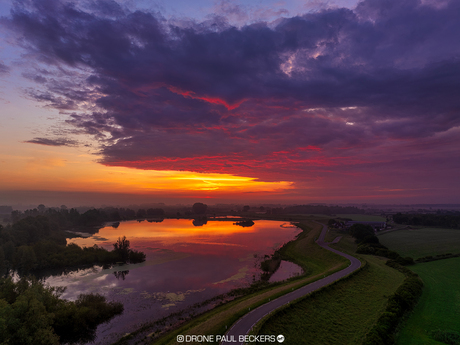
{"x":185,"y":264}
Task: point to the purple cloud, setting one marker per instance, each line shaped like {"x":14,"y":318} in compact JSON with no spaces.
{"x":212,"y":97}
{"x":4,"y":68}
{"x":53,"y":142}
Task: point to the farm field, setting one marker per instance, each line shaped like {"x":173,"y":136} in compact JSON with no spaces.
{"x":439,"y":305}
{"x":342,"y":313}
{"x":420,"y":242}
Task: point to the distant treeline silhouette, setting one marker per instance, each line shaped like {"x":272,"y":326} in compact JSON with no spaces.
{"x":316,"y":209}
{"x":446,"y":220}
{"x":69,"y":219}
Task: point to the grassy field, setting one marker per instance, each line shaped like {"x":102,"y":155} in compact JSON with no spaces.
{"x":362,"y":217}
{"x":315,"y":260}
{"x":306,"y":253}
{"x":333,"y":233}
{"x":339,"y":314}
{"x":421,"y":242}
{"x":439,"y":306}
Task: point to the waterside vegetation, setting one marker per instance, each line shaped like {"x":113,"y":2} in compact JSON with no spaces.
{"x":36,"y":243}
{"x":31,"y":313}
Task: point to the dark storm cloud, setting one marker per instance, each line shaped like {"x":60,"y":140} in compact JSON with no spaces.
{"x":52,"y":142}
{"x":193,"y":95}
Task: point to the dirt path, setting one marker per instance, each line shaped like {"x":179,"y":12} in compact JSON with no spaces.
{"x":242,"y":327}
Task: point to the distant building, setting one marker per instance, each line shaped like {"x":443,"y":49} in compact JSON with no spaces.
{"x":375,"y":225}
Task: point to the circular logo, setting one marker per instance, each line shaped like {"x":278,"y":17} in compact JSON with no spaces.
{"x":280,"y":338}
{"x":180,"y":338}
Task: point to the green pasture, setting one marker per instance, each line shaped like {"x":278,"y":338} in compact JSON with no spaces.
{"x":421,"y":242}
{"x":439,"y":306}
{"x":341,"y":313}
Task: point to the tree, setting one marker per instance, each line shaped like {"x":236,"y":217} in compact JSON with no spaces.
{"x":2,"y":261}
{"x":363,"y":233}
{"x":141,"y":213}
{"x":9,"y":250}
{"x":25,"y":259}
{"x":31,"y":313}
{"x":199,"y":208}
{"x":32,"y":229}
{"x":121,"y":247}
{"x":155,"y":212}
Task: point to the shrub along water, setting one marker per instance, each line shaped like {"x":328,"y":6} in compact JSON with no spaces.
{"x":31,"y":313}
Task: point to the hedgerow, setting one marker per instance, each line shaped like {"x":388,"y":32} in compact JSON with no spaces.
{"x":399,"y":304}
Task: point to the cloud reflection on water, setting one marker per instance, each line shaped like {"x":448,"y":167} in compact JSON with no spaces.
{"x":184,"y":265}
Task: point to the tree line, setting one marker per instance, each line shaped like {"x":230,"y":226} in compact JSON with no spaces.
{"x":36,"y":243}
{"x":72,"y":218}
{"x":315,"y":209}
{"x":451,"y":220}
{"x":369,"y":244}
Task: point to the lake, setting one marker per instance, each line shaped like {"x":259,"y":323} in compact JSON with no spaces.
{"x":187,"y":262}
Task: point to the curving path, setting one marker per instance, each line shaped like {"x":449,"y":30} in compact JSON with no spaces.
{"x":245,"y":324}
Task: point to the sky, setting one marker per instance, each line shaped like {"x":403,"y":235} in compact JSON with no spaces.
{"x":115,"y":102}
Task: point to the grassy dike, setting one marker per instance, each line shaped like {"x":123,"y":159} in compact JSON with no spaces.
{"x":341,"y":313}
{"x":315,"y":261}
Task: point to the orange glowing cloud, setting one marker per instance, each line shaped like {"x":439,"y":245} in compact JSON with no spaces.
{"x":151,"y":180}
{"x":60,"y":170}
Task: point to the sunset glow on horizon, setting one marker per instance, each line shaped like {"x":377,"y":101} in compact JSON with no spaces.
{"x":84,"y":174}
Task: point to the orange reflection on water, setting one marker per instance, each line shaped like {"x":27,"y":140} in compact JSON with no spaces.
{"x":180,"y":235}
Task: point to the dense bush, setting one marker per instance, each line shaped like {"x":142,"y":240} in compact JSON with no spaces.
{"x":437,"y":257}
{"x":31,"y":313}
{"x":446,"y":337}
{"x":363,"y":233}
{"x":380,"y":250}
